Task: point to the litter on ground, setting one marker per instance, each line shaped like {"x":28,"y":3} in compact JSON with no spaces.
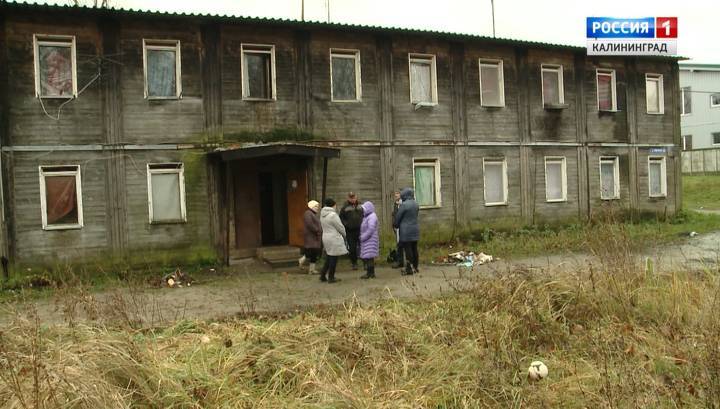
{"x":465,"y":259}
{"x":177,"y":279}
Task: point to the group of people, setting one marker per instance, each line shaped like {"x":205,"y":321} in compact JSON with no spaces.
{"x":355,"y":231}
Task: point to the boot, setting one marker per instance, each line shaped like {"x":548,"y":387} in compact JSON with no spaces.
{"x":311,"y":269}
{"x":409,"y":270}
{"x":301,"y":262}
{"x":370,"y":273}
{"x":332,"y":279}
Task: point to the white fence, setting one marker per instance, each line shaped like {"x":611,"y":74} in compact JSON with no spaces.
{"x":701,"y":161}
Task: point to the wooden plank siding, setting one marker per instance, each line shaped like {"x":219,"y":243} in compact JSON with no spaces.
{"x":112,"y":131}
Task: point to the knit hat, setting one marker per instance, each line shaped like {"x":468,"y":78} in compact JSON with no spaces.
{"x":313,"y":205}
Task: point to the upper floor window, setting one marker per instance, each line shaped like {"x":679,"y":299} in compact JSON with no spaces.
{"x":258,"y":72}
{"x":654,"y":94}
{"x":166,"y":192}
{"x":715,"y":100}
{"x":686,"y":100}
{"x":61,"y":197}
{"x":345,"y":85}
{"x":553,"y":92}
{"x":426,"y":179}
{"x":161,"y":63}
{"x":55,"y":66}
{"x":423,"y":79}
{"x":495,"y":181}
{"x":606,"y":90}
{"x":492,"y":87}
{"x":555,"y":179}
{"x":609,"y":177}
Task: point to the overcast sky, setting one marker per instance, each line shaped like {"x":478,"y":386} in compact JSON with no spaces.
{"x":556,"y":21}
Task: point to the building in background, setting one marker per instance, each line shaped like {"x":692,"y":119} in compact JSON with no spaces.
{"x":700,"y":106}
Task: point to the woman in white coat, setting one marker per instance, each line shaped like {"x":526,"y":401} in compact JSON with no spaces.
{"x":333,"y":239}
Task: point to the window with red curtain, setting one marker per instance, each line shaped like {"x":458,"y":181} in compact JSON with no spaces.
{"x":604,"y":84}
{"x":61,"y":200}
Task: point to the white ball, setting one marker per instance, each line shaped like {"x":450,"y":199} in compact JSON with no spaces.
{"x":537,"y":371}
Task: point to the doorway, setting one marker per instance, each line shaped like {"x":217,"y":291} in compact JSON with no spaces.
{"x":273,"y":208}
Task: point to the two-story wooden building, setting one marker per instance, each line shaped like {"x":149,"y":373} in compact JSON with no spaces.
{"x":126,"y":131}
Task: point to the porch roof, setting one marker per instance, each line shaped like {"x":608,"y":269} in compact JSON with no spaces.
{"x":248,"y":151}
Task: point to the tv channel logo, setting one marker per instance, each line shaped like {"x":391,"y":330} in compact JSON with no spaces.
{"x":632,"y":36}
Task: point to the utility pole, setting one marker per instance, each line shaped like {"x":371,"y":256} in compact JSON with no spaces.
{"x":302,"y":10}
{"x":492,"y":5}
{"x":328,"y":10}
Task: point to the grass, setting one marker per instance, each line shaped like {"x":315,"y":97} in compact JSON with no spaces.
{"x":615,"y":336}
{"x":701,"y":192}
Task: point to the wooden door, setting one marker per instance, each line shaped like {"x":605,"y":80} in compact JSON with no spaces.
{"x":297,"y":199}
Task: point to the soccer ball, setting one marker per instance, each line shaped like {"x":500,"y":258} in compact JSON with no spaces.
{"x":537,"y":371}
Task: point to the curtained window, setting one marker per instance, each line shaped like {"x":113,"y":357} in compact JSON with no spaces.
{"x":55,"y":67}
{"x":423,"y":88}
{"x":552,"y":85}
{"x":426,"y":178}
{"x":258,"y":72}
{"x":555,"y":179}
{"x":495,"y":181}
{"x":162,"y":69}
{"x":609,"y":178}
{"x":60,"y":199}
{"x":492,"y":87}
{"x":657,"y":182}
{"x":166,"y":193}
{"x":654,"y":93}
{"x":607,"y":100}
{"x":345,"y":75}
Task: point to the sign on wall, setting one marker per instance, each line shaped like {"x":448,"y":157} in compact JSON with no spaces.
{"x":632,"y":36}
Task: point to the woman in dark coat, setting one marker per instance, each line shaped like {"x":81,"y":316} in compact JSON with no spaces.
{"x":312,"y":235}
{"x":406,"y":220}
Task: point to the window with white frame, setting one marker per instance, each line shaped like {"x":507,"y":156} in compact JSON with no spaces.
{"x":654,"y":94}
{"x":55,"y":66}
{"x":555,"y":179}
{"x":609,"y":177}
{"x":715,"y":100}
{"x":61,"y":197}
{"x":657,"y":176}
{"x":552,"y":84}
{"x":687,"y":142}
{"x":686,"y":100}
{"x":716,"y":138}
{"x":426,"y":180}
{"x":345,"y":85}
{"x":166,"y":192}
{"x":495,"y":183}
{"x":423,"y":79}
{"x":258,"y":72}
{"x":492,"y":85}
{"x":161,"y":64}
{"x":606,"y":90}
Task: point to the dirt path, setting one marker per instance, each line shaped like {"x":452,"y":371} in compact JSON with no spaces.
{"x":247,"y":292}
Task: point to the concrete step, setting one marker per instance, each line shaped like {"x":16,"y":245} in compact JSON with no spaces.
{"x":270,"y":254}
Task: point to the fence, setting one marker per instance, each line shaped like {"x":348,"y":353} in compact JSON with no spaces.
{"x":701,"y":161}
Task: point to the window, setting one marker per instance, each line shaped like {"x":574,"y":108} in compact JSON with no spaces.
{"x":166,"y":192}
{"x":715,"y":100}
{"x":423,"y":79}
{"x":161,"y":63}
{"x":606,"y":97}
{"x":552,"y":85}
{"x":258,"y":72}
{"x":492,"y":86}
{"x":495,"y":181}
{"x":687,"y":142}
{"x":345,"y":83}
{"x":426,"y":179}
{"x":716,"y":138}
{"x":61,"y":197}
{"x":55,"y":69}
{"x":657,"y":179}
{"x":686,"y":100}
{"x":654,"y":94}
{"x":609,"y":178}
{"x":555,"y":179}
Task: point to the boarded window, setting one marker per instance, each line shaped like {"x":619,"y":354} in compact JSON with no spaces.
{"x":687,"y":142}
{"x":162,"y":69}
{"x":552,"y":85}
{"x":426,"y":173}
{"x":60,"y":199}
{"x":609,"y":178}
{"x":555,"y":180}
{"x":258,"y":71}
{"x":656,"y":176}
{"x":686,"y":97}
{"x":495,"y":181}
{"x":55,"y":67}
{"x":715,"y":100}
{"x":492,"y":92}
{"x":654,"y":94}
{"x":345,"y":78}
{"x":607,"y":100}
{"x":422,"y":79}
{"x":166,"y":191}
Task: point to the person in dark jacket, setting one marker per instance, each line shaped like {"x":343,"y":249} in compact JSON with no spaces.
{"x":399,"y":258}
{"x":406,"y":220}
{"x":351,"y":215}
{"x":312,"y":235}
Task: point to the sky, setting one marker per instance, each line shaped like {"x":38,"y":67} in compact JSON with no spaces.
{"x":554,"y":21}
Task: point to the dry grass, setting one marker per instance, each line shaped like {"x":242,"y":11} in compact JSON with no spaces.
{"x":613,"y":336}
